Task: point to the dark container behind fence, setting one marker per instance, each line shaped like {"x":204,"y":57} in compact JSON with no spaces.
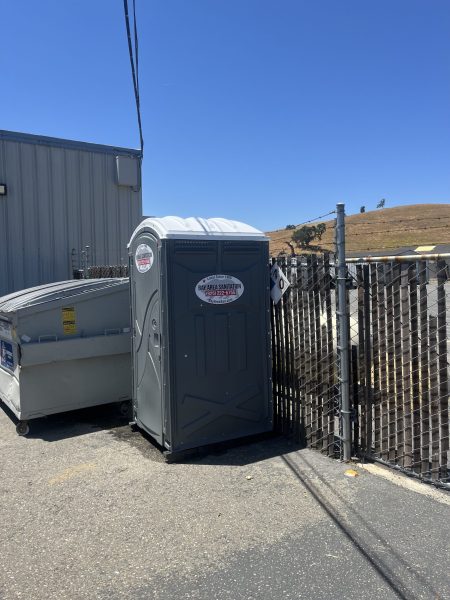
{"x":200,"y":315}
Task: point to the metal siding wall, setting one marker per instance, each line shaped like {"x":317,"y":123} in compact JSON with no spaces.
{"x":73,"y":204}
{"x":86,"y":203}
{"x":5,"y":250}
{"x":124,"y":201}
{"x":59,"y":233}
{"x":60,"y":199}
{"x":14,"y":207}
{"x":111,"y":213}
{"x":44,"y":212}
{"x":99,"y":234}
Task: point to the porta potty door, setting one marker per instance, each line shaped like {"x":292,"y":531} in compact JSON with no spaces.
{"x":145,"y":298}
{"x":219,"y":341}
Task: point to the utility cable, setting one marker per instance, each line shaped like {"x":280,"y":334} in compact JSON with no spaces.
{"x":332,"y":212}
{"x":134,"y":58}
{"x":136,"y":48}
{"x":376,"y":221}
{"x":383,"y":232}
{"x":405,"y":230}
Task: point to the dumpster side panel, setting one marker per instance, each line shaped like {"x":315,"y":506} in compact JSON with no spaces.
{"x":9,"y":365}
{"x":63,"y":348}
{"x":84,"y":315}
{"x":10,"y":390}
{"x":68,"y":385}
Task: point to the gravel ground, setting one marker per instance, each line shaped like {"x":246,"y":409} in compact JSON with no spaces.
{"x":91,"y":510}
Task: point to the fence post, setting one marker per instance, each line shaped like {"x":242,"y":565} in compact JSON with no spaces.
{"x":343,"y":328}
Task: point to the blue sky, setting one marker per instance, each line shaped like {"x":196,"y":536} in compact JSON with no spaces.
{"x":266,"y":111}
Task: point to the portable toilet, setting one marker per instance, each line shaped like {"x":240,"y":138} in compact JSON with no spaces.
{"x":64,"y":346}
{"x":200,"y":331}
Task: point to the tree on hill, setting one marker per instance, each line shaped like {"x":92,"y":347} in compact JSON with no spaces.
{"x":290,"y":226}
{"x":320,"y":230}
{"x":362,"y":209}
{"x":303,"y":237}
{"x":381,"y":203}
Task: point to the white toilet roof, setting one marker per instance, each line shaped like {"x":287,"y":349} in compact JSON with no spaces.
{"x":196,"y":227}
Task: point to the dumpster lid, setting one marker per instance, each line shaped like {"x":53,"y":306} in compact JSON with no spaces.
{"x":51,"y":292}
{"x":195,"y":227}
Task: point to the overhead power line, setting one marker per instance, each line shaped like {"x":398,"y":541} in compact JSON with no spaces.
{"x":134,"y":62}
{"x":377,"y":222}
{"x":332,"y":212}
{"x":404,"y":230}
{"x":136,"y":47}
{"x":410,"y":221}
{"x":385,"y":248}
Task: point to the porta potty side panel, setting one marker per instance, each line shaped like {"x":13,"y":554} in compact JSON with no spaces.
{"x":219,"y":352}
{"x":145,"y":281}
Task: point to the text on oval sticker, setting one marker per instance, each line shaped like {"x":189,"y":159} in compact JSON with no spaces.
{"x":219,"y":289}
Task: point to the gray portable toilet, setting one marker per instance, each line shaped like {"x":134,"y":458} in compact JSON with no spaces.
{"x":200,"y":331}
{"x":64,"y":346}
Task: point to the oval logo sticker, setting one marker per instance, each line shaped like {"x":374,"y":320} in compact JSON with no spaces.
{"x":143,"y":258}
{"x":219,"y":289}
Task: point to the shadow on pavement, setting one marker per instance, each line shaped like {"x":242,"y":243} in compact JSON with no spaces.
{"x":74,"y":423}
{"x":110,"y":418}
{"x":239,"y":452}
{"x":363,"y":537}
{"x":245,"y":451}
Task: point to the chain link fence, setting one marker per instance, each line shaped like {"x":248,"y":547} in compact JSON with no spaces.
{"x":104,"y":271}
{"x":304,"y":353}
{"x":396,"y":374}
{"x":399,"y":365}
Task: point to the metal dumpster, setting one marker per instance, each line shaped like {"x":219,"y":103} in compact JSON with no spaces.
{"x":64,"y":346}
{"x":200,"y":331}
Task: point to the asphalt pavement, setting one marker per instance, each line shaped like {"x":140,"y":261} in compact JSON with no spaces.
{"x":89,"y":509}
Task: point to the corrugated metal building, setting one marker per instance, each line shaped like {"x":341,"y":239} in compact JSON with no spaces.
{"x":59,"y":196}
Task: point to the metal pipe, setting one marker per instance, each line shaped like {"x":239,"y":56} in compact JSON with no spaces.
{"x":344,"y":335}
{"x":400,"y":258}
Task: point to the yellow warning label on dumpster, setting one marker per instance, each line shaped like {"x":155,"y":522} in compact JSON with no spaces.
{"x":68,"y":320}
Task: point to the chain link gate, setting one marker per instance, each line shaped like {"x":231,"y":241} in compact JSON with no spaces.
{"x":304,"y":353}
{"x":399,"y":369}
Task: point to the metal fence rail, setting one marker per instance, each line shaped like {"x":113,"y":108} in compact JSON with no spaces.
{"x":104,"y":271}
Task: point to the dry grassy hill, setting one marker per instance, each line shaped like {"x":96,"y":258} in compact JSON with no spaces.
{"x":383,"y":229}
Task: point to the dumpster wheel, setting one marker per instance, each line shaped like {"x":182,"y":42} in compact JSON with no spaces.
{"x":22,"y":428}
{"x":125,"y":408}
